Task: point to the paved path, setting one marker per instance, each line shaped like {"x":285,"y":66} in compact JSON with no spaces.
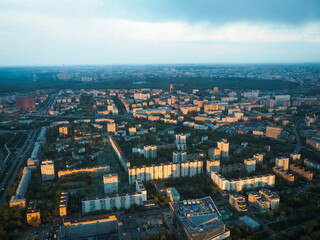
{"x":298,"y":139}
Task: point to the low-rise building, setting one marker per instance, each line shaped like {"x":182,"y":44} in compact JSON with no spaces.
{"x":19,"y":198}
{"x":312,"y":164}
{"x":238,"y":202}
{"x":63,"y":204}
{"x":47,"y":170}
{"x":33,"y":214}
{"x":308,"y":175}
{"x":103,"y":227}
{"x":249,"y":223}
{"x":173,"y":194}
{"x":273,"y":132}
{"x":264,"y":199}
{"x":284,"y":174}
{"x":83,"y":170}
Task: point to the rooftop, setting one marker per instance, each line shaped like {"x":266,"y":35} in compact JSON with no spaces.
{"x":249,"y":221}
{"x":198,"y":215}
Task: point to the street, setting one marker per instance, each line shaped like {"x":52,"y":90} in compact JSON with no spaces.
{"x":20,"y":156}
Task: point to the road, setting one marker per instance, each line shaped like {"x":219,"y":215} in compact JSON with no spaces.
{"x":296,"y":132}
{"x":20,"y":156}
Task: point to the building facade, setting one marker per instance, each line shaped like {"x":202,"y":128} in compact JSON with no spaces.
{"x":110,"y":183}
{"x":47,"y":170}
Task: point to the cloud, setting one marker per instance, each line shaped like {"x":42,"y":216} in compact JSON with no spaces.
{"x":289,"y":12}
{"x":137,"y":31}
{"x":113,"y":29}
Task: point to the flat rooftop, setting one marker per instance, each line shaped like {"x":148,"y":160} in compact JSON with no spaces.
{"x":198,"y":215}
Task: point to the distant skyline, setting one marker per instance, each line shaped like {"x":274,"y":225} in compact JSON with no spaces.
{"x":79,"y":32}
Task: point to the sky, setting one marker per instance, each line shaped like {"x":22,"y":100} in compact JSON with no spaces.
{"x":56,"y":32}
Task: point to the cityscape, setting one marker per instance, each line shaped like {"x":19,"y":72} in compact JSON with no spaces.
{"x":171,"y":162}
{"x":179,"y":120}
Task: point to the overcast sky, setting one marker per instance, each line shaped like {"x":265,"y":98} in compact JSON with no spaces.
{"x":51,"y":32}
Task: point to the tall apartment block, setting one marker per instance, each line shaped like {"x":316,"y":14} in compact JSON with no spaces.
{"x":223,"y":145}
{"x":282,"y":163}
{"x":110,"y":183}
{"x":179,"y":156}
{"x":212,"y":165}
{"x":181,"y":142}
{"x":214,"y":153}
{"x":150,"y":151}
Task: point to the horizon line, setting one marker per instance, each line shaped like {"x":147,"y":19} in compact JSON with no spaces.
{"x":150,"y":64}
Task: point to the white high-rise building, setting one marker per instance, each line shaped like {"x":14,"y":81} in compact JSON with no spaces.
{"x":179,"y":156}
{"x":153,"y":151}
{"x":110,"y":183}
{"x":150,"y":151}
{"x":214,"y":153}
{"x":47,"y":170}
{"x":223,"y":145}
{"x":181,"y":142}
{"x":250,"y":165}
{"x":213,"y":165}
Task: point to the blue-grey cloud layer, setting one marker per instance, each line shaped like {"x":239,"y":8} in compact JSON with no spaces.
{"x":222,"y":11}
